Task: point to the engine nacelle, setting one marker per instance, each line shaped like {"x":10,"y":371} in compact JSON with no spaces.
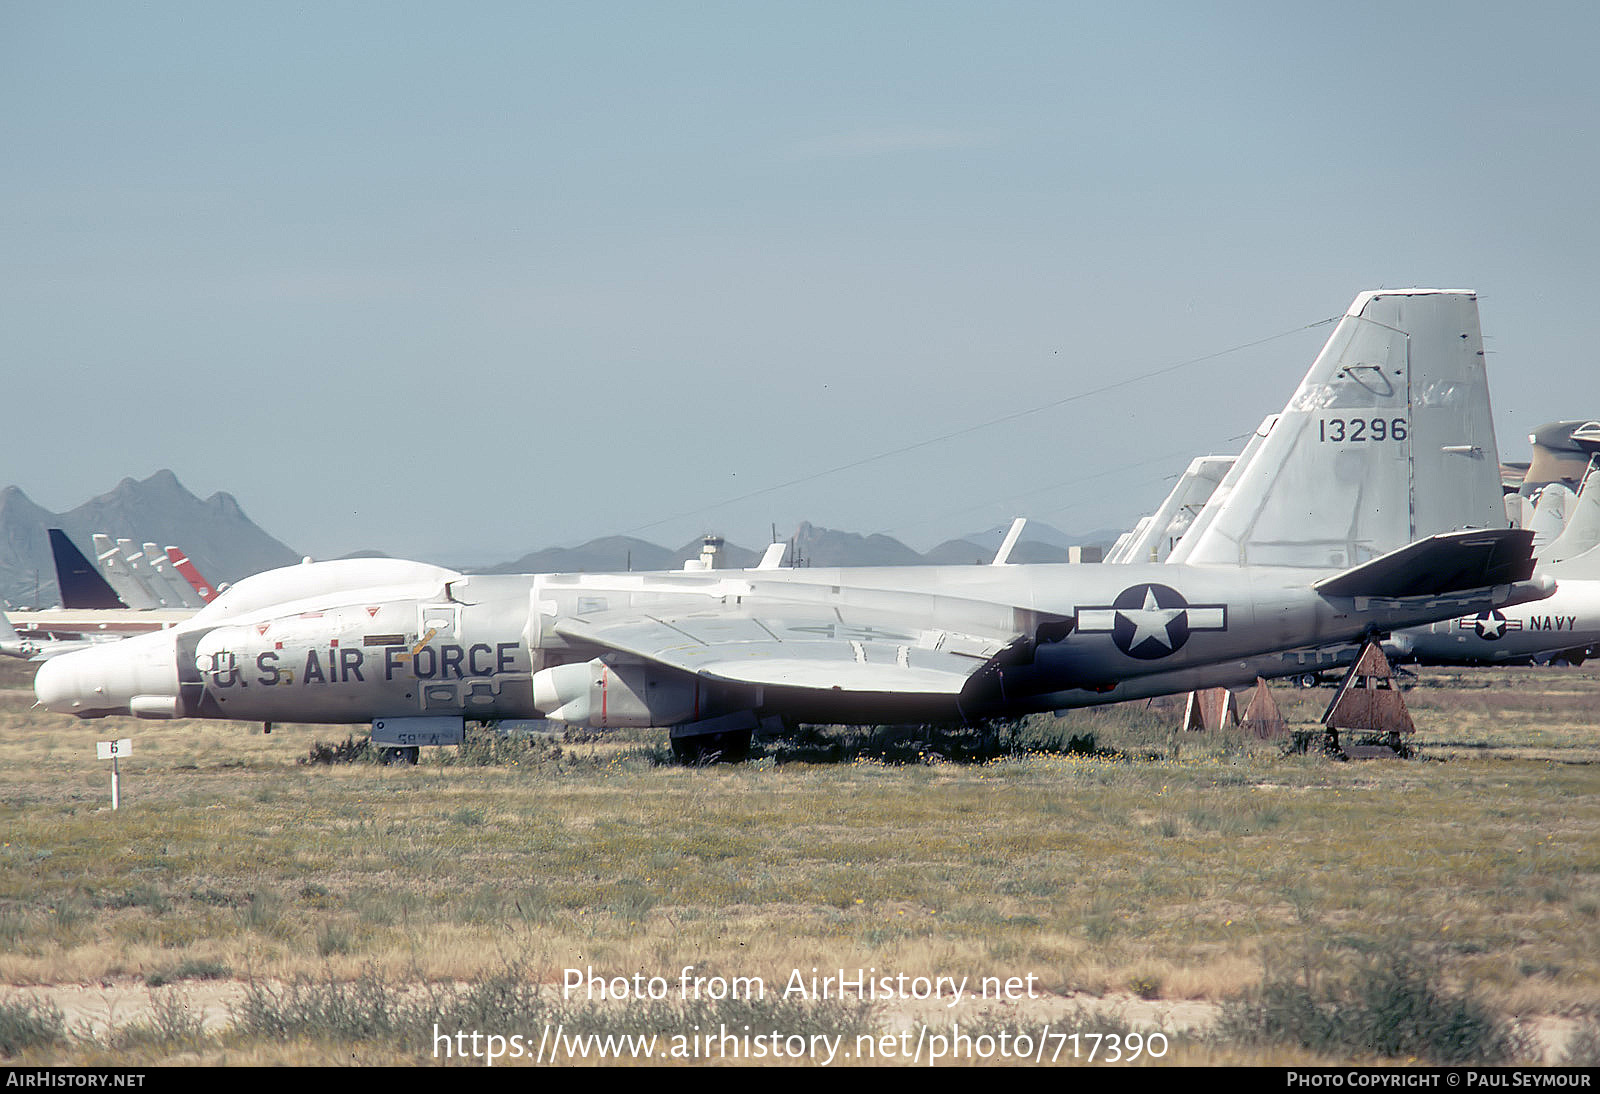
{"x":604,"y":696}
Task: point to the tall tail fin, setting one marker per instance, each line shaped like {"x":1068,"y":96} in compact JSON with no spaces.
{"x":133,"y":559}
{"x":1389,"y":439}
{"x":11,"y":643}
{"x":180,"y":562}
{"x":174,"y":589}
{"x":133,"y":590}
{"x":81,"y":584}
{"x":1550,"y":513}
{"x":1214,"y":504}
{"x":1582,"y":532}
{"x":1157,"y":536}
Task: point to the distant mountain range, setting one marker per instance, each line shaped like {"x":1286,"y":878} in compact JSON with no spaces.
{"x":226,"y":545}
{"x":214,"y":533}
{"x":813,"y":546}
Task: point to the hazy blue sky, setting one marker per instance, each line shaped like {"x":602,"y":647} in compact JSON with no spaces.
{"x":462,"y":280}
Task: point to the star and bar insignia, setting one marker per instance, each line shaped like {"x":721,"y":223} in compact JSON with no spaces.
{"x":1151,"y":621}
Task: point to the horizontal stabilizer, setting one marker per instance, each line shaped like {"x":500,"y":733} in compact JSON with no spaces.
{"x":1445,"y":563}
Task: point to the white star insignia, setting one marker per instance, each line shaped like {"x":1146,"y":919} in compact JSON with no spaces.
{"x":1150,"y":621}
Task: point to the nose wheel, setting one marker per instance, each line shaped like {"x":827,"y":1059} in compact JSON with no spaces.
{"x":406,"y":756}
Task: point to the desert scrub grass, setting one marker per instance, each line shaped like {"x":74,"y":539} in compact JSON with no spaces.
{"x":140,"y":896}
{"x":932,"y":744}
{"x":543,"y":753}
{"x":14,"y":922}
{"x":365,"y":1009}
{"x":413,"y":1017}
{"x":188,"y":969}
{"x":1583,"y":1047}
{"x":491,"y":748}
{"x":263,"y":911}
{"x":27,"y":1024}
{"x":335,"y":940}
{"x":1392,"y":1003}
{"x":173,"y":1027}
{"x":351,"y":750}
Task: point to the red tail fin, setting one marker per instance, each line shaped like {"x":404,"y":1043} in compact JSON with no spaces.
{"x":181,"y":563}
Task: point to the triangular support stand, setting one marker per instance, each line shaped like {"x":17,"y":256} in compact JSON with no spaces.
{"x":1210,"y":709}
{"x":1262,"y":716}
{"x":1368,"y":711}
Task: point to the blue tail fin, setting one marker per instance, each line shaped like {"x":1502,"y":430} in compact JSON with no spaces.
{"x":81,"y":584}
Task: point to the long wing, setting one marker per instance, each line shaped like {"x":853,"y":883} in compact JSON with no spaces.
{"x":806,"y":646}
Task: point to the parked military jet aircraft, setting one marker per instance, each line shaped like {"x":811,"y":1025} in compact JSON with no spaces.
{"x":1567,"y":625}
{"x":1370,"y":503}
{"x":38,"y":648}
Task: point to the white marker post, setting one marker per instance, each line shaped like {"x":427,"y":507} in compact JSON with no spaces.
{"x":112,"y":750}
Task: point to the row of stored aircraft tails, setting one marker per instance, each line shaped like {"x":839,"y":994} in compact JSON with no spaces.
{"x":1370,"y":504}
{"x":128,"y":592}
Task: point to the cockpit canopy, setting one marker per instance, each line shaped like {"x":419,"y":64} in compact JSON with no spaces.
{"x":358,"y":577}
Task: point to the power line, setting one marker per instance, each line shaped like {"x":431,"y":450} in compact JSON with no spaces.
{"x":967,"y":430}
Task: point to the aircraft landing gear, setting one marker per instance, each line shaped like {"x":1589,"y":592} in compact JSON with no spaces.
{"x":407,"y":756}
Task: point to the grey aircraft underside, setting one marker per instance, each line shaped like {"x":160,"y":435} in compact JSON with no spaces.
{"x":1370,"y":503}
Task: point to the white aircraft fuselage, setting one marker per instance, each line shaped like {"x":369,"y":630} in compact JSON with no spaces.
{"x":475,"y":645}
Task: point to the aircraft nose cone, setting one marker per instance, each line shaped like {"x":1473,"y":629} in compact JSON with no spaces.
{"x":56,"y":687}
{"x":110,"y":679}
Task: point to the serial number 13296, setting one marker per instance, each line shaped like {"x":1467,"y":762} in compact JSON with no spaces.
{"x":1349,"y":430}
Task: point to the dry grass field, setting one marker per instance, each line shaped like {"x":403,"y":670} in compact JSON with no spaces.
{"x":246,"y":907}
